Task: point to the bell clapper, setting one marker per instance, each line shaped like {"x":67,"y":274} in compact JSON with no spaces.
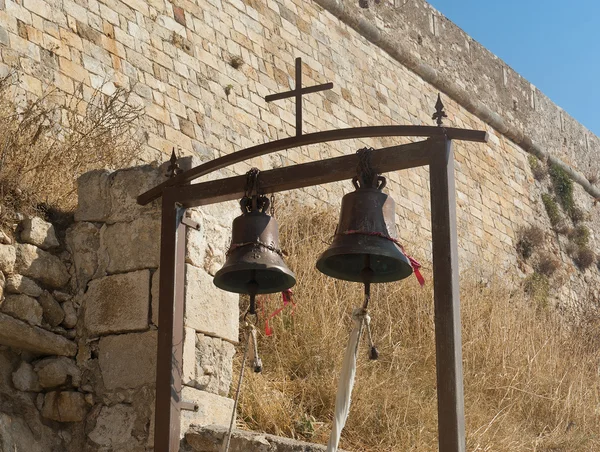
{"x":367,"y":275}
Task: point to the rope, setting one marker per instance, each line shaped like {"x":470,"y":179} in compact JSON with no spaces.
{"x":346,"y":381}
{"x":237,"y":393}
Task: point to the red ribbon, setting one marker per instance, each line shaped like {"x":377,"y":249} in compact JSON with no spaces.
{"x":286,"y":296}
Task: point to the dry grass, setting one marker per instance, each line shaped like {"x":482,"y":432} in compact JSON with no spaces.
{"x":46,"y":143}
{"x":531,"y":383}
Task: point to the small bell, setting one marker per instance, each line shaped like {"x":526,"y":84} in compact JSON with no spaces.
{"x":365,"y":248}
{"x":254,"y":263}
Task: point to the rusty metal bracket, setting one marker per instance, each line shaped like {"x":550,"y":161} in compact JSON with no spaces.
{"x":189,"y":406}
{"x":190,"y":223}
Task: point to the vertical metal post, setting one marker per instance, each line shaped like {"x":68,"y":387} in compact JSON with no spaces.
{"x":298,"y":89}
{"x":170,"y":329}
{"x":448,"y":344}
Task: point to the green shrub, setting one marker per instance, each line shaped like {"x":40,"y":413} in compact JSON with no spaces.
{"x":537,"y":286}
{"x":563,"y":187}
{"x":580,"y":236}
{"x":538,"y":169}
{"x":551,"y":209}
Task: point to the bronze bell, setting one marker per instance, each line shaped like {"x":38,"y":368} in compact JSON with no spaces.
{"x":365,"y":248}
{"x":254,"y":263}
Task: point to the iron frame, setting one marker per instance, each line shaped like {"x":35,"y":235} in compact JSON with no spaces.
{"x":177,"y":195}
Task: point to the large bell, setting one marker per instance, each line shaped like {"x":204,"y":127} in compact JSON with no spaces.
{"x":254,"y":263}
{"x":364,"y":248}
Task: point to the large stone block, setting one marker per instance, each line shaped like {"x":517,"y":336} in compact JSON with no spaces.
{"x":54,"y":372}
{"x":114,"y":426}
{"x":64,"y":406}
{"x":24,"y":308}
{"x":39,"y":233}
{"x":210,"y":439}
{"x":212,"y":409}
{"x":118,"y":303}
{"x":18,"y":334}
{"x":83,"y":241}
{"x":112,"y":197}
{"x":38,"y":264}
{"x":25,"y":379}
{"x":214,"y":363}
{"x":22,"y":284}
{"x":131,"y":246}
{"x":209,"y":309}
{"x":128,"y":360}
{"x":8,"y":256}
{"x":93,"y":196}
{"x":53,"y":313}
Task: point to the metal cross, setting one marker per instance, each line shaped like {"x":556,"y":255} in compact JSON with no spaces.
{"x":298,"y":92}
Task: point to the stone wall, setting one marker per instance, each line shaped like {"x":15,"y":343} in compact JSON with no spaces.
{"x":201,"y":70}
{"x":79,"y":317}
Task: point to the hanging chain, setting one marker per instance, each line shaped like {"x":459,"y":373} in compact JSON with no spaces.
{"x":366,"y":175}
{"x":272,"y":204}
{"x":253,"y":199}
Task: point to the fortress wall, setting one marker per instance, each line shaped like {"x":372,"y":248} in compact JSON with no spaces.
{"x":177,"y":58}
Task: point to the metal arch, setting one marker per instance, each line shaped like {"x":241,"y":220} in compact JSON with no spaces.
{"x":312,"y":138}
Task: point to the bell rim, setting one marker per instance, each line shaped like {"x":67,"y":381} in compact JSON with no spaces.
{"x":289,"y":278}
{"x":389,"y":248}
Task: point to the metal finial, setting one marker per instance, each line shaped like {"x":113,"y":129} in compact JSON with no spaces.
{"x":173,"y":169}
{"x":439,"y":114}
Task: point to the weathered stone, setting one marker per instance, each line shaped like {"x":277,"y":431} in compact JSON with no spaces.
{"x":61,"y":296}
{"x":54,"y":372}
{"x":25,"y":379}
{"x":70,"y":320}
{"x":195,"y":251}
{"x":154,"y":295}
{"x":118,"y":303}
{"x":53,"y":313}
{"x":8,"y":257}
{"x":93,"y":201}
{"x":2,"y":286}
{"x":208,"y":309}
{"x":112,"y":197}
{"x":212,"y":409}
{"x":22,"y":284}
{"x":210,"y":439}
{"x":4,"y":238}
{"x":26,"y":434}
{"x":214,"y":362}
{"x":39,"y":233}
{"x":128,"y":360}
{"x":114,"y":426}
{"x":188,"y":375}
{"x":131,"y":246}
{"x":83,"y":241}
{"x":18,"y":334}
{"x":23,"y":307}
{"x":38,"y":264}
{"x":64,"y":406}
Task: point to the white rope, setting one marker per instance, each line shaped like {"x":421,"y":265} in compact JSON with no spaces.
{"x":227,"y":440}
{"x":346,"y":381}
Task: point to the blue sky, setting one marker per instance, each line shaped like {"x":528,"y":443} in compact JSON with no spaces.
{"x":553,"y":44}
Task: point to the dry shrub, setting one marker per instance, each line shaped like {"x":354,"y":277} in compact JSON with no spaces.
{"x":584,"y":257}
{"x":46,"y":143}
{"x":547,"y":264}
{"x":529,"y":238}
{"x":530,"y":381}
